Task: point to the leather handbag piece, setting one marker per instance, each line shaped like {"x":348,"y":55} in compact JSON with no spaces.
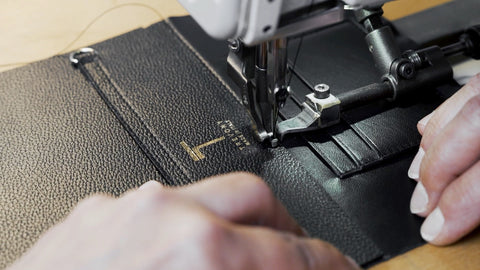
{"x":157,"y":103}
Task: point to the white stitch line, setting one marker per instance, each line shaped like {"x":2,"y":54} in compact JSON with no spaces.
{"x":212,"y":70}
{"x":149,"y":130}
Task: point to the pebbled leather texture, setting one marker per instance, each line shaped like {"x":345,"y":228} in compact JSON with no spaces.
{"x":58,"y":144}
{"x":156,"y":103}
{"x":61,"y":142}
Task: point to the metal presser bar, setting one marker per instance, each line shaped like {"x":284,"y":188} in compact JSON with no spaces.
{"x":261,"y":71}
{"x":258,"y":32}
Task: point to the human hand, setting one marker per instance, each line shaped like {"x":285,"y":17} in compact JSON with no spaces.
{"x":447,"y":168}
{"x":226,"y":222}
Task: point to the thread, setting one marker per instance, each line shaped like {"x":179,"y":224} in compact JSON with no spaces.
{"x":88,"y":26}
{"x":298,"y":48}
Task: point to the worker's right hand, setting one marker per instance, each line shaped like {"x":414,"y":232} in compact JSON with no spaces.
{"x":447,"y":168}
{"x":227,"y":222}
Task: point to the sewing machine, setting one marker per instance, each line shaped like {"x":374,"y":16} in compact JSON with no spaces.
{"x":258,"y":32}
{"x":68,"y":133}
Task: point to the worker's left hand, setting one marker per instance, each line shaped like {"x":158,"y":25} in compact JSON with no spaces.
{"x":447,"y":168}
{"x":226,"y":222}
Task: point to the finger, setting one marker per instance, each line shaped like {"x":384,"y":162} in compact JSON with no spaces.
{"x":433,"y":124}
{"x":414,"y":170}
{"x":242,"y":198}
{"x":92,"y":209}
{"x":455,"y":150}
{"x":458,"y":212}
{"x":278,"y":250}
{"x":423,"y":122}
{"x":149,"y":187}
{"x":150,"y":195}
{"x":448,"y":110}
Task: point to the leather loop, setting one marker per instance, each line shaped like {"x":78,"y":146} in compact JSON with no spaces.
{"x":154,"y":149}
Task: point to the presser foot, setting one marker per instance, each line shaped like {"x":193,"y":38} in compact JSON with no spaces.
{"x":321,"y":109}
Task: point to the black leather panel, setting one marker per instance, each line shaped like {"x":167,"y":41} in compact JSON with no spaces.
{"x":377,"y":199}
{"x":337,"y":52}
{"x":174,"y":106}
{"x":398,"y":123}
{"x":156,"y":150}
{"x":174,"y":98}
{"x":311,"y":206}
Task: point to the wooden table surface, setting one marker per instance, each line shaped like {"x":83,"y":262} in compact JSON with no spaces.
{"x":34,"y":30}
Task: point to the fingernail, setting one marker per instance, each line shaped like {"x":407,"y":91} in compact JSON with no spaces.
{"x":419,"y":201}
{"x":433,"y":225}
{"x":414,"y":170}
{"x":148,"y":184}
{"x":353,"y":262}
{"x":424,"y":120}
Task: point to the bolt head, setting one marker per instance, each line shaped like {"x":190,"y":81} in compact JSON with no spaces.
{"x":321,"y":91}
{"x":234,"y":45}
{"x":407,"y":71}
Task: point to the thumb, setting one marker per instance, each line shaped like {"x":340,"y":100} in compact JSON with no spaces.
{"x":242,"y":198}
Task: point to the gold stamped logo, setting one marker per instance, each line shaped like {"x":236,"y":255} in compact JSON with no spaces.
{"x":230,"y":133}
{"x":195,"y":152}
{"x":234,"y":134}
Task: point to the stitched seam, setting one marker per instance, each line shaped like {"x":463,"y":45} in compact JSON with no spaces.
{"x":366,"y":139}
{"x":212,"y":70}
{"x":202,"y":60}
{"x":142,"y":144}
{"x":101,"y":69}
{"x":148,"y":130}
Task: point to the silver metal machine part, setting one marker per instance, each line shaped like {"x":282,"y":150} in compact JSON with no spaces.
{"x":255,"y":21}
{"x":321,"y":109}
{"x":258,"y":57}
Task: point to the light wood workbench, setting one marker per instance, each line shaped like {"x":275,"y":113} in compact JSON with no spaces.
{"x":34,"y":30}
